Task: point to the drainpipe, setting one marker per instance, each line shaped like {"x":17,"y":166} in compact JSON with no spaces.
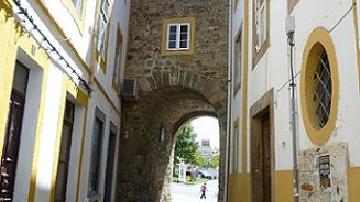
{"x":229,"y":108}
{"x":290,"y":31}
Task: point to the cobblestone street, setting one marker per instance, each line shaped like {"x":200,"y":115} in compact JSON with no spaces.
{"x":191,"y":193}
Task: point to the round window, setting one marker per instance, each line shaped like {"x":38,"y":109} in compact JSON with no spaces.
{"x":319,"y":86}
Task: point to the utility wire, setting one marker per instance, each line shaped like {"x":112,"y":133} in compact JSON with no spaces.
{"x":342,"y":18}
{"x":51,"y":48}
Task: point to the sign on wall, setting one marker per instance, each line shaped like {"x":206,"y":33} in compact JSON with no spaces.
{"x":324,"y":171}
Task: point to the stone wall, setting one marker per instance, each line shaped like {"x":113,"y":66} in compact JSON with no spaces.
{"x":172,"y":89}
{"x":309,"y":177}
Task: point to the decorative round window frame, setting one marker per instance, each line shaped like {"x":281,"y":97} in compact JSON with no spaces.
{"x":318,"y":38}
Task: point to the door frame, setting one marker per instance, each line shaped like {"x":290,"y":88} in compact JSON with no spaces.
{"x":263,"y":105}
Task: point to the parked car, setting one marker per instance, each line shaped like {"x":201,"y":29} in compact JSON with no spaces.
{"x":205,"y":174}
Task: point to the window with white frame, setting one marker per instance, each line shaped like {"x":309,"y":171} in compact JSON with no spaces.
{"x":178,"y":36}
{"x":102,"y":28}
{"x":261,"y":15}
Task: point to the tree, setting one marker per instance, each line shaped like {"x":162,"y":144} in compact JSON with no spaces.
{"x":201,"y":160}
{"x":214,"y":161}
{"x":186,"y":145}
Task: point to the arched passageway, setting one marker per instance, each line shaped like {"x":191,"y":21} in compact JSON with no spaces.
{"x":145,"y":162}
{"x":174,"y":86}
{"x":196,"y":160}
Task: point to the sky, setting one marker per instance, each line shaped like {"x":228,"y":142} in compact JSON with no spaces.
{"x":207,"y":128}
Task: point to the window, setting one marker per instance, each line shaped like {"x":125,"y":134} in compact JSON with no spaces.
{"x":261,"y":15}
{"x":319,"y":86}
{"x":237,"y":63}
{"x":178,"y":36}
{"x":64,"y":152}
{"x":117,"y":61}
{"x":110,"y":162}
{"x":162,"y":136}
{"x":260,"y":29}
{"x":78,"y":5}
{"x":102,"y":34}
{"x":77,"y":11}
{"x":322,"y":94}
{"x":95,"y":156}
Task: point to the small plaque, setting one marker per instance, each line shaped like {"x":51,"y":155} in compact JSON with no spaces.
{"x":324,"y":171}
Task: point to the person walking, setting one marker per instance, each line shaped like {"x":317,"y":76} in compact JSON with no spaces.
{"x":203,"y":190}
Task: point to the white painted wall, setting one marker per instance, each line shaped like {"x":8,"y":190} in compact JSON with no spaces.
{"x":272,"y":72}
{"x":30,"y":120}
{"x":81,"y":40}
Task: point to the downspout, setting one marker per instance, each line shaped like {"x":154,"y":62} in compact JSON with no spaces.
{"x":290,"y":30}
{"x":230,"y":97}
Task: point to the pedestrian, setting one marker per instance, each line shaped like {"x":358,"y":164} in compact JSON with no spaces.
{"x":203,"y":190}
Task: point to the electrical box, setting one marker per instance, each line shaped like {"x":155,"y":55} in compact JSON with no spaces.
{"x":290,"y":25}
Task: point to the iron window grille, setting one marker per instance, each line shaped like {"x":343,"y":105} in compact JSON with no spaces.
{"x":323,"y":85}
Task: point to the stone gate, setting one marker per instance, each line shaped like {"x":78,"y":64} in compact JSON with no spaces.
{"x":173,"y":89}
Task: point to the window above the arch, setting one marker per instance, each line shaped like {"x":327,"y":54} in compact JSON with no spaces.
{"x":178,"y":37}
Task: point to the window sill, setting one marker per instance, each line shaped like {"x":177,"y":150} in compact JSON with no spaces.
{"x":257,"y":55}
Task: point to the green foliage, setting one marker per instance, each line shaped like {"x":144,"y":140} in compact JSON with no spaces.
{"x":186,"y":145}
{"x":206,"y":162}
{"x":201,"y":160}
{"x":214,"y":161}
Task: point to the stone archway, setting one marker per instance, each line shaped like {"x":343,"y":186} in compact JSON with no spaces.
{"x":172,"y":88}
{"x":144,"y":172}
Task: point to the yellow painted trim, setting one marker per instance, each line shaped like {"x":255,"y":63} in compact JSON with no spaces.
{"x":317,"y":135}
{"x":62,"y":34}
{"x":13,"y":38}
{"x":78,"y":18}
{"x":356,"y":32}
{"x":244,"y":102}
{"x":81,"y":97}
{"x":59,"y":131}
{"x":353,"y":176}
{"x":166,"y":22}
{"x":283,"y":185}
{"x":7,"y":63}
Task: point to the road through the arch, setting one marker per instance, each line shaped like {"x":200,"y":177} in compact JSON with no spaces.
{"x":191,"y":193}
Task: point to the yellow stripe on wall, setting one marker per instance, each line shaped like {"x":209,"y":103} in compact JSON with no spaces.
{"x":354,"y":184}
{"x":239,"y":187}
{"x":284,"y":186}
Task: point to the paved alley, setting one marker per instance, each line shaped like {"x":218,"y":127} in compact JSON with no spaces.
{"x":191,"y":193}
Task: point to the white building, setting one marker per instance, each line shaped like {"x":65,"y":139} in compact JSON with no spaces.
{"x":61,"y":71}
{"x":325,"y":60}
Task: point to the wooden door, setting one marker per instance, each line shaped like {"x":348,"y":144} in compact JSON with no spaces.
{"x":266,"y":148}
{"x":10,"y":150}
{"x":261,"y":159}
